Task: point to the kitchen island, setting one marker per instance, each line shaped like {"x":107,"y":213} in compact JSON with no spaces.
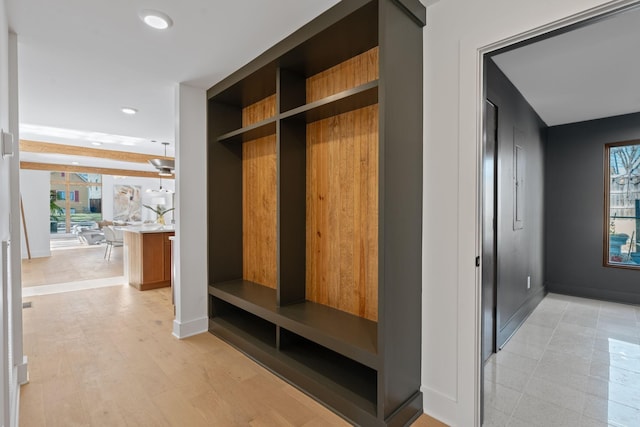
{"x":147,"y":256}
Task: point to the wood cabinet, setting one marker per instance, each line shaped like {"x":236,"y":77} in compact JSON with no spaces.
{"x":148,"y":258}
{"x":315,"y":209}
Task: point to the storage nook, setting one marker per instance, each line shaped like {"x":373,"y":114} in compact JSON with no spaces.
{"x":315,"y":209}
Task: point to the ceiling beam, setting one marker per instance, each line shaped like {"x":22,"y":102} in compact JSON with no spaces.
{"x":73,"y":150}
{"x":52,"y":167}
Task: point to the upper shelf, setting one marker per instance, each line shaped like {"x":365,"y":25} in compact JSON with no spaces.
{"x":248,"y":133}
{"x":353,"y":336}
{"x":342,"y":102}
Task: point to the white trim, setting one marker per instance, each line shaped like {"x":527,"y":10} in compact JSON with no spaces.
{"x":17,"y":413}
{"x":594,"y":12}
{"x":37,"y":254}
{"x":468,"y":370}
{"x":190,"y":328}
{"x":190,"y":243}
{"x":80,"y":285}
{"x":438,"y":406}
{"x":7,"y":383}
{"x":23,"y":371}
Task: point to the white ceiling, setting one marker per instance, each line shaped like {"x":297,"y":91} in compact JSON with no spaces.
{"x":588,"y":73}
{"x":81,"y":61}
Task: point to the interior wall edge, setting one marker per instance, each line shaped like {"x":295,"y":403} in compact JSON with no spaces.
{"x":190,"y":245}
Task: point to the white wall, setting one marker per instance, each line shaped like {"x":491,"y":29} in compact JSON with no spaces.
{"x":455,"y":31}
{"x":34,"y":187}
{"x":191,"y":214}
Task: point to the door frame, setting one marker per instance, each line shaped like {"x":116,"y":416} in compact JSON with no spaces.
{"x":565,"y":24}
{"x":494,"y":221}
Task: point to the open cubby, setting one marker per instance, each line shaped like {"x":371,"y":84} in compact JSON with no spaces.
{"x":242,"y":322}
{"x":342,"y":212}
{"x":347,"y":379}
{"x":343,"y":87}
{"x":351,"y":335}
{"x":314,"y":209}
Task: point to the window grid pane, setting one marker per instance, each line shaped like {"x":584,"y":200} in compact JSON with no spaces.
{"x":624,"y":204}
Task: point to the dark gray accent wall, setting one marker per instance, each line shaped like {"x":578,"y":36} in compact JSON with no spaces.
{"x":520,"y":245}
{"x":575,"y":210}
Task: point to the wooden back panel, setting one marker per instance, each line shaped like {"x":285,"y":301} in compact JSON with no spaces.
{"x":259,"y":199}
{"x":342,"y":195}
{"x":261,"y":110}
{"x":354,"y":72}
{"x":342,"y":212}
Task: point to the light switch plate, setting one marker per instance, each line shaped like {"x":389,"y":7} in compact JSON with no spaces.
{"x":6,"y":144}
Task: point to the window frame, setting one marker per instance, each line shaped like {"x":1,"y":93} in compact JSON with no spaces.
{"x":607,"y":207}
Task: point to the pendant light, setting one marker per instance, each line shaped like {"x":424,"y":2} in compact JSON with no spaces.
{"x":165,"y":166}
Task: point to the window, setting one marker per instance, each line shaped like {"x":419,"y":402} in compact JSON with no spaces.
{"x":78,"y":199}
{"x":622,"y":204}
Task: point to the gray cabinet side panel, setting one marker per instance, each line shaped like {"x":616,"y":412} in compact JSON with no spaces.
{"x":400,"y":267}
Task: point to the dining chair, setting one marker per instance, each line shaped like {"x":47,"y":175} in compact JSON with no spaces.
{"x":112,"y":240}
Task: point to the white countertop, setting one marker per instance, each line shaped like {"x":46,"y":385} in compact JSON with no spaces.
{"x":151,"y":228}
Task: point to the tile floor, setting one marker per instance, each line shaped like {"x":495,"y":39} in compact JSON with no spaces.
{"x":574,"y":362}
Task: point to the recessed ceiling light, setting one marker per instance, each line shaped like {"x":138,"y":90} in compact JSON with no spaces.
{"x":97,"y":144}
{"x":75,"y":163}
{"x":129,"y":110}
{"x":156,"y":19}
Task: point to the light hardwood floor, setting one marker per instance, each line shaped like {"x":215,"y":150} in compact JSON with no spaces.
{"x":106,"y":357}
{"x":65,"y":265}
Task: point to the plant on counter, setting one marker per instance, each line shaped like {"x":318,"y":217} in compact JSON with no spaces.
{"x":159,"y":211}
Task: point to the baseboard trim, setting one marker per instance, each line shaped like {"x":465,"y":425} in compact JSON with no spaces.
{"x":37,"y":254}
{"x":23,"y":371}
{"x":599,"y":294}
{"x":188,"y":329}
{"x":437,"y":405}
{"x":407,"y":413}
{"x":518,"y":318}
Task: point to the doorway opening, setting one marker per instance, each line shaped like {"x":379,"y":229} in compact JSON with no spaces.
{"x":515,"y":186}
